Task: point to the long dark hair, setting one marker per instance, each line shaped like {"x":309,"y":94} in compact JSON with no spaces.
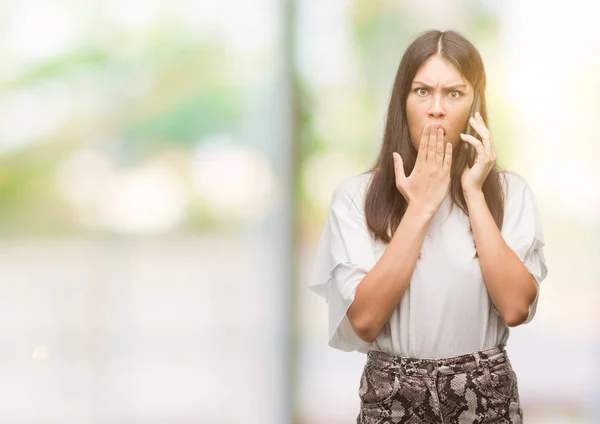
{"x":384,"y":204}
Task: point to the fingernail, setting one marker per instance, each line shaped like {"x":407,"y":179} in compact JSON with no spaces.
{"x":462,"y":135}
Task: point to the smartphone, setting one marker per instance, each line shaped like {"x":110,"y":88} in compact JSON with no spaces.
{"x":475,"y":107}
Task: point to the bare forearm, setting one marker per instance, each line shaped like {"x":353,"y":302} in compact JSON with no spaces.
{"x":382,"y":289}
{"x":510,"y":285}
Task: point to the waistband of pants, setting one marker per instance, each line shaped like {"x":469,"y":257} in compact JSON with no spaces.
{"x":451,"y":365}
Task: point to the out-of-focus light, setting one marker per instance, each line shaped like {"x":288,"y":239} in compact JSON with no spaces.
{"x":573,"y":182}
{"x":325,"y":49}
{"x":133,"y":14}
{"x":202,"y":20}
{"x":41,"y":31}
{"x":30,"y":114}
{"x":245,"y":27}
{"x":95,"y":94}
{"x":151,"y":199}
{"x":236,"y":180}
{"x":246,"y":19}
{"x":84,"y":177}
{"x":322,"y":173}
{"x":148,"y":200}
{"x":555,"y":116}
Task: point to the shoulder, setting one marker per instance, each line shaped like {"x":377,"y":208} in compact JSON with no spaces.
{"x":518,"y":195}
{"x":352,"y":191}
{"x":513,"y":183}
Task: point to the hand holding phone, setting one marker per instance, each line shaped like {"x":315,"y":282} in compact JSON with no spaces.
{"x":482,"y":157}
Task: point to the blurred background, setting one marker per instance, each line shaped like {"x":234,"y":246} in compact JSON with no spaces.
{"x":166,"y":169}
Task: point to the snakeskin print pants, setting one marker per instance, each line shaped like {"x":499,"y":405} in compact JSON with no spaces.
{"x":476,"y":388}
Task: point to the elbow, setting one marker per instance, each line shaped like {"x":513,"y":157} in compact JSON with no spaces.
{"x":518,"y":313}
{"x":365,"y":330}
{"x":368,"y":335}
{"x":516,"y":317}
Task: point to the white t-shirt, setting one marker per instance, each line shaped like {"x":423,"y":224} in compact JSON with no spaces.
{"x":446,"y":310}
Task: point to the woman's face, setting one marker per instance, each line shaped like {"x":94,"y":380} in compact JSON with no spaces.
{"x":439,"y":95}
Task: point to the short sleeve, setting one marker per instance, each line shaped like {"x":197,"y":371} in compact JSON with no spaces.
{"x":343,"y":257}
{"x":522,"y":230}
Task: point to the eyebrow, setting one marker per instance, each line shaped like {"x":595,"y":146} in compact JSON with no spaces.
{"x":459,"y":86}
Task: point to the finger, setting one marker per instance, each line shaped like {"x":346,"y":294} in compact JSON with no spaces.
{"x":483,"y":133}
{"x":479,"y":118}
{"x":481,"y":122}
{"x":431,"y":145}
{"x":478,"y":126}
{"x":488,"y":141}
{"x":422,"y":153}
{"x":448,"y":157}
{"x":398,"y":168}
{"x":439,"y":153}
{"x":475,"y":143}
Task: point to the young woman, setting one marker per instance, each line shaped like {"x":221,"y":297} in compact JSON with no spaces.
{"x":428,"y":258}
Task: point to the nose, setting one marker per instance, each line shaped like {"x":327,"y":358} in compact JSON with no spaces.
{"x":436,"y":108}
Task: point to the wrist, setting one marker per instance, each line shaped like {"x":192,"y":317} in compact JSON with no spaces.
{"x":473,"y":194}
{"x":420,"y":212}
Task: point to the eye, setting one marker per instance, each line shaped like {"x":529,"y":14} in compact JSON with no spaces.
{"x":421,"y":91}
{"x":454,"y":94}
